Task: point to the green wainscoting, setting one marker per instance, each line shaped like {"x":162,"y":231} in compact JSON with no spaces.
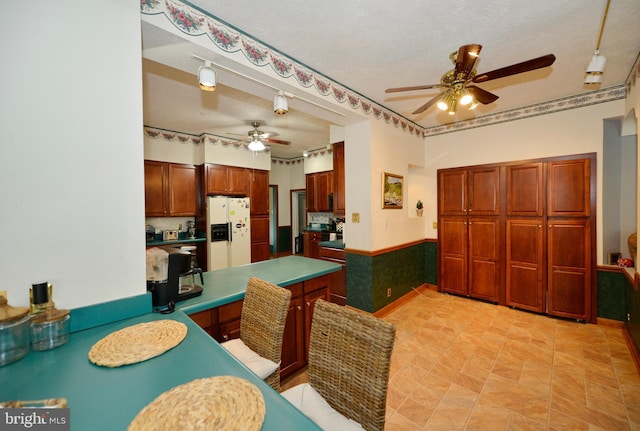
{"x":370,"y":277}
{"x":284,"y":239}
{"x":611,"y":295}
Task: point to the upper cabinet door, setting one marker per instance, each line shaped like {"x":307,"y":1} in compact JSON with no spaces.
{"x":339,"y":206}
{"x":452,"y":192}
{"x":259,"y":192}
{"x":216,"y":179}
{"x":183,"y":190}
{"x":155,"y":188}
{"x":484,"y":191}
{"x":238,"y":180}
{"x":569,"y":188}
{"x":525,"y":190}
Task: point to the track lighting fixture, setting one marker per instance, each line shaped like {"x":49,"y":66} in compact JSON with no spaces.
{"x":595,"y":68}
{"x":207,"y":77}
{"x":280,"y":105}
{"x":305,"y":153}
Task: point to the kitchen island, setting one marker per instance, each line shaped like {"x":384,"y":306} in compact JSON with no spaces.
{"x":102,"y":398}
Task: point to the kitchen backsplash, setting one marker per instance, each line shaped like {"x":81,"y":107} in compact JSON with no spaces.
{"x":322,"y":218}
{"x":164,"y":223}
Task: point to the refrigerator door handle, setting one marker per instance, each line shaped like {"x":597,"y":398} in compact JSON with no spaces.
{"x":230,"y":232}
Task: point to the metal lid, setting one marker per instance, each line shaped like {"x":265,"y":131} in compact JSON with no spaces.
{"x":49,"y":315}
{"x":9,"y":313}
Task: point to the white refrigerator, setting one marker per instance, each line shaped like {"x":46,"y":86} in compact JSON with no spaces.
{"x":229,"y":233}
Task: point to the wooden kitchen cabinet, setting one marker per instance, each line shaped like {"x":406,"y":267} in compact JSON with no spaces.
{"x":319,"y":187}
{"x":569,"y":268}
{"x":311,"y":240}
{"x":259,"y":192}
{"x":338,"y":290}
{"x":473,"y":191}
{"x":525,"y":264}
{"x":339,"y":204}
{"x":260,"y":238}
{"x":568,"y":188}
{"x":226,"y":180}
{"x":223,"y":322}
{"x":171,"y":189}
{"x":521,"y":234}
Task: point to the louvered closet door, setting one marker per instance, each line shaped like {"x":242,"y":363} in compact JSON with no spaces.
{"x":453,"y":255}
{"x":525,"y":264}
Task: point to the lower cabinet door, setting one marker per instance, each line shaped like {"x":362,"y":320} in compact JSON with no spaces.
{"x":293,"y":356}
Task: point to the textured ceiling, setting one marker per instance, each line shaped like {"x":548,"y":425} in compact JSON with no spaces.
{"x":368,"y":46}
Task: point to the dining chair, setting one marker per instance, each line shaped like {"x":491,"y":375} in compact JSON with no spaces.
{"x":349,"y":359}
{"x":264,"y":313}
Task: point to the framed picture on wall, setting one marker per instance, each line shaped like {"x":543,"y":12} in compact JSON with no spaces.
{"x":392,"y":191}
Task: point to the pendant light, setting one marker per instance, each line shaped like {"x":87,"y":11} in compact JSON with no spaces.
{"x":595,"y":68}
{"x":207,"y":77}
{"x":280,"y":105}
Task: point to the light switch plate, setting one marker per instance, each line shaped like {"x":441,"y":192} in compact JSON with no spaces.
{"x":355,"y":217}
{"x":435,"y":225}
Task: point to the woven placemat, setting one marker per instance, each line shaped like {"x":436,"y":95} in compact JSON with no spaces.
{"x":137,"y":343}
{"x":223,"y":403}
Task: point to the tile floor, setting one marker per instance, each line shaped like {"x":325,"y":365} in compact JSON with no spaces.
{"x":461,"y":364}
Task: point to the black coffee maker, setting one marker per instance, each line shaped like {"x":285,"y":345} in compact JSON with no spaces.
{"x":165,"y":266}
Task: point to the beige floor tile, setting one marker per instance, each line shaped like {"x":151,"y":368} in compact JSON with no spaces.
{"x":460,"y":364}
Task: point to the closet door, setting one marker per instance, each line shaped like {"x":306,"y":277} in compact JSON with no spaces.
{"x":525,"y":190}
{"x":484,"y":191}
{"x":452,"y":192}
{"x":568,"y":188}
{"x":525,"y":264}
{"x":569,"y":268}
{"x":454,"y":233}
{"x":484,"y":258}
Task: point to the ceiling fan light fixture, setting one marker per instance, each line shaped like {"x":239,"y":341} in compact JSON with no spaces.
{"x":473,"y":105}
{"x":445,"y":101}
{"x":256,"y":145}
{"x":280,"y":105}
{"x":207,"y":77}
{"x":453,"y":106}
{"x":466,"y":99}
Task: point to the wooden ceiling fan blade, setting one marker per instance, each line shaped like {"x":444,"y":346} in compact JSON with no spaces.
{"x":467,"y":56}
{"x":417,"y":87}
{"x":427,"y":105}
{"x":482,"y":96}
{"x":276,"y":141}
{"x":514,"y":69}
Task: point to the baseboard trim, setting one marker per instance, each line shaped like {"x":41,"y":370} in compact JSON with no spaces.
{"x":387,"y":309}
{"x":610,"y":323}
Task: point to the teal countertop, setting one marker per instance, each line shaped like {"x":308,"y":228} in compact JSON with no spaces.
{"x":184,"y":240}
{"x":338,"y":243}
{"x":103,"y":398}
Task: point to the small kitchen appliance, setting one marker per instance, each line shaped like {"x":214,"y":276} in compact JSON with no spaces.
{"x":150,"y":232}
{"x":191,"y":229}
{"x":165,"y":266}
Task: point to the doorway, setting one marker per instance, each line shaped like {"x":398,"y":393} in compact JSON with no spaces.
{"x":298,"y":219}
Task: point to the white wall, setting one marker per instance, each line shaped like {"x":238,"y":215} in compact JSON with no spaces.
{"x":288,"y":177}
{"x":371,"y":148}
{"x":71,"y":171}
{"x":574,"y":131}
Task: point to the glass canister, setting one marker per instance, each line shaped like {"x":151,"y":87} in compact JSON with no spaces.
{"x":14,"y":332}
{"x":49,"y":329}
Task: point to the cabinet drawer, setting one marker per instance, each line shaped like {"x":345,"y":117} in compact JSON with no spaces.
{"x":333,"y":254}
{"x":317,"y":283}
{"x":230,"y":311}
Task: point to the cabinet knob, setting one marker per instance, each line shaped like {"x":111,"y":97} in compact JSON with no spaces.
{"x":299,"y":307}
{"x":225,"y":337}
{"x":308,"y":304}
